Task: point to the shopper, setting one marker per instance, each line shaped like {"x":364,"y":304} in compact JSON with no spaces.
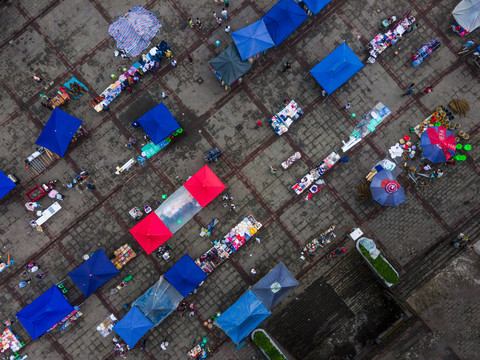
{"x":37,"y":78}
{"x":219,"y":21}
{"x":224,"y":14}
{"x":144,"y":345}
{"x":272,"y":170}
{"x":164,"y":95}
{"x":174,"y":63}
{"x":428,"y":89}
{"x":253,"y":271}
{"x":22,"y":284}
{"x":227,"y":29}
{"x":190,"y":58}
{"x":287,"y":66}
{"x":347,"y":106}
{"x":199,"y":23}
{"x":190,"y":22}
{"x":232,"y":207}
{"x":164,"y":344}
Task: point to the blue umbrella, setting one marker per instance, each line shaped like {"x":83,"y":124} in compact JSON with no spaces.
{"x":386,"y":190}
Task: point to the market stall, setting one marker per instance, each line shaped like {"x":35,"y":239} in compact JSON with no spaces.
{"x":149,"y":62}
{"x":59,"y":131}
{"x":291,"y":160}
{"x":316,"y":172}
{"x":46,"y":214}
{"x":467,"y":17}
{"x":230,"y":243}
{"x":44,"y":312}
{"x":315,"y":6}
{"x":283,"y":119}
{"x":335,"y":70}
{"x":132,"y":326}
{"x":383,"y":41}
{"x":123,"y":255}
{"x":228,"y":67}
{"x":425,"y":51}
{"x":321,"y":240}
{"x":283,"y":19}
{"x":185,"y":275}
{"x":6,"y":184}
{"x":367,"y":125}
{"x":10,"y":341}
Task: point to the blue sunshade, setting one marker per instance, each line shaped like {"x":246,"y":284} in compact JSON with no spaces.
{"x":185,"y":275}
{"x":158,"y":123}
{"x":132,"y":326}
{"x":58,"y":132}
{"x":316,"y":6}
{"x":5,"y":184}
{"x":339,"y":66}
{"x":282,"y":19}
{"x":252,"y":39}
{"x":93,"y":273}
{"x":44,"y":312}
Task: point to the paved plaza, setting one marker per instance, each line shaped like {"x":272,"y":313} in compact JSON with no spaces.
{"x":340,"y":307}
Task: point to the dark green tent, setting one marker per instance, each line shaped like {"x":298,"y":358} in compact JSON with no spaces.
{"x":229,"y":66}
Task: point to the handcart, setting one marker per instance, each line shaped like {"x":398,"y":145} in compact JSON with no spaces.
{"x":213,"y":155}
{"x":39,"y":191}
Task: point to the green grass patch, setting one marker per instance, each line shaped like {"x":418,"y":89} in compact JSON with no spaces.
{"x":383,"y":268}
{"x":264,"y":343}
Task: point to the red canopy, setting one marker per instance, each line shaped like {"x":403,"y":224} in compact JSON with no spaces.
{"x":150,"y":233}
{"x":204,"y":186}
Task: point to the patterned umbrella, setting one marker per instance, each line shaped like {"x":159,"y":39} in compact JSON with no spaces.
{"x":134,"y":30}
{"x":386,"y":190}
{"x":438,"y":144}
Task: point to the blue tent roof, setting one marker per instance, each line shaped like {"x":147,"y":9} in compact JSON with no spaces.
{"x":316,"y":6}
{"x":132,"y":326}
{"x":252,"y":39}
{"x":274,"y":286}
{"x":58,"y":132}
{"x":159,"y":301}
{"x":243,"y":317}
{"x":93,"y":273}
{"x":185,"y":275}
{"x":158,"y":123}
{"x":5,"y":184}
{"x":339,"y":66}
{"x":44,"y":312}
{"x":282,"y":19}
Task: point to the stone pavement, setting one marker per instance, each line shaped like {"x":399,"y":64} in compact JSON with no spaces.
{"x":61,"y":39}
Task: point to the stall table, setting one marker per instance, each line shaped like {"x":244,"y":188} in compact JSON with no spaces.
{"x":316,"y":172}
{"x":291,"y":160}
{"x":106,"y":326}
{"x":10,"y":341}
{"x":123,"y":255}
{"x":283,"y":119}
{"x":48,"y":213}
{"x":230,"y":243}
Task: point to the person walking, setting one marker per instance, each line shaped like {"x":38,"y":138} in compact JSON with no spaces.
{"x":410,"y":90}
{"x":190,"y":58}
{"x":219,"y":21}
{"x":428,"y":89}
{"x":347,"y":106}
{"x":144,"y":345}
{"x":214,"y":15}
{"x":164,"y":95}
{"x":164,"y":344}
{"x":272,"y":170}
{"x":232,"y":207}
{"x":287,"y":66}
{"x":227,"y":29}
{"x":37,"y":78}
{"x":22,"y":284}
{"x":174,"y":63}
{"x":253,"y":271}
{"x":224,"y":14}
{"x":199,"y":23}
{"x":190,"y":22}
{"x":468,"y":44}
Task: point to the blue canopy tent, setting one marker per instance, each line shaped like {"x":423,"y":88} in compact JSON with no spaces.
{"x":44,"y":312}
{"x":243,"y":317}
{"x":252,"y":39}
{"x":158,"y":123}
{"x":339,"y":66}
{"x":316,"y":6}
{"x":5,"y":184}
{"x":274,"y":286}
{"x":185,"y":275}
{"x":93,"y":273}
{"x":58,"y":132}
{"x":159,"y":301}
{"x":282,"y":19}
{"x":132,"y":326}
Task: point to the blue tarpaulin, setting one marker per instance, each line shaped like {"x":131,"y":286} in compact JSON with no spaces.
{"x":282,"y":19}
{"x":252,"y":39}
{"x":44,"y":312}
{"x":316,"y":6}
{"x":274,"y":286}
{"x":339,"y":66}
{"x":93,"y":273}
{"x":243,"y":317}
{"x":5,"y":184}
{"x":58,"y":132}
{"x":159,"y":301}
{"x":158,"y":123}
{"x":132,"y":326}
{"x":185,"y":275}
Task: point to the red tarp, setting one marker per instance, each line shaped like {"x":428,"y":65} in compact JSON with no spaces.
{"x":204,"y":186}
{"x":150,"y":233}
